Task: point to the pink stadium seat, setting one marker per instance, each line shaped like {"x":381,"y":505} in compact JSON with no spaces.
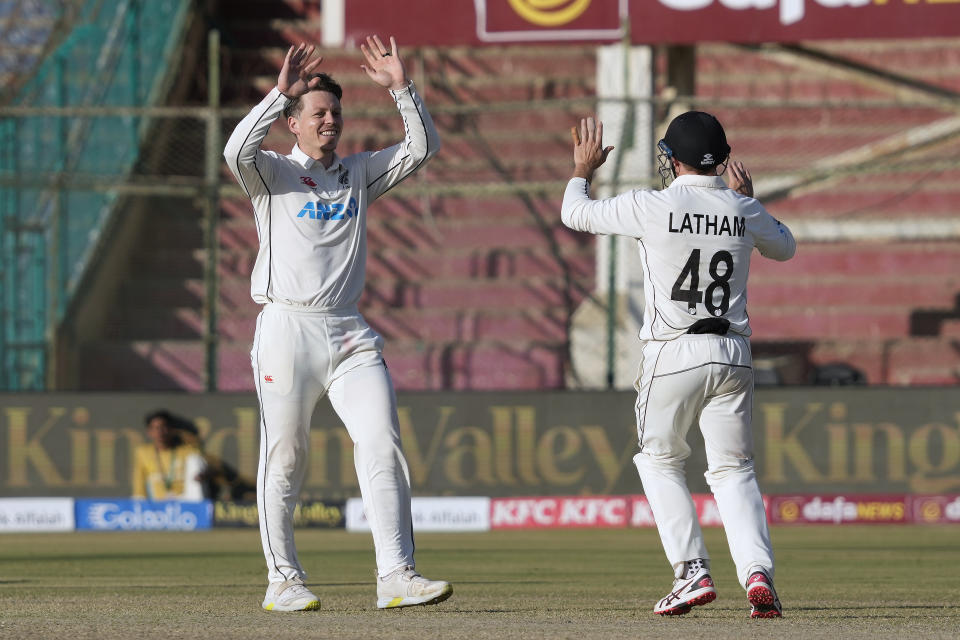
{"x":475,"y":289}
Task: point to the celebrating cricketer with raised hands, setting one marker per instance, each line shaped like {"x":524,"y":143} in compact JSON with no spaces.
{"x":310,"y":207}
{"x":695,"y":239}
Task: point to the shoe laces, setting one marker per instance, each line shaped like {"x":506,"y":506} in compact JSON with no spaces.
{"x":293,"y":588}
{"x":689,"y":580}
{"x":409,"y":574}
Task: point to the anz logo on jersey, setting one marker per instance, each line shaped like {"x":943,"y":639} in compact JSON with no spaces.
{"x":324,"y":211}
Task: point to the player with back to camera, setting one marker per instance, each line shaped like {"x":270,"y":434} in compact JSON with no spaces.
{"x":311,"y":212}
{"x":695,"y":239}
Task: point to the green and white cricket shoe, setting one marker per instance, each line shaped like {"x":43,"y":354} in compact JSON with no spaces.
{"x":406,"y":588}
{"x":291,"y":595}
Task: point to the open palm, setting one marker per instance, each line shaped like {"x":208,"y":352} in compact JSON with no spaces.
{"x":297,"y":74}
{"x":384,"y":66}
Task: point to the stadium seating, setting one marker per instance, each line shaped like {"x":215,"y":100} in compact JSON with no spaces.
{"x":886,"y":307}
{"x":473,"y":286}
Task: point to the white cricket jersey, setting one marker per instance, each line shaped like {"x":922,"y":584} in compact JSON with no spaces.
{"x":695,"y":239}
{"x":311,"y":221}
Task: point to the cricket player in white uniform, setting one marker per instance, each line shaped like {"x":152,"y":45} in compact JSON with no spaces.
{"x":311,"y":341}
{"x":695,"y":239}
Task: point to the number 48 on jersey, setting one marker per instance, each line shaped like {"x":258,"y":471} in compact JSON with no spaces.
{"x":692,"y":294}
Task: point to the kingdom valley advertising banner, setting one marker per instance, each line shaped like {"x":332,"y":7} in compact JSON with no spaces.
{"x":806,"y":440}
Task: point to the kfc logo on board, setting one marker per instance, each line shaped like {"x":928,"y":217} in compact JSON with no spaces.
{"x":528,"y":513}
{"x":523,"y":513}
{"x":594,"y":512}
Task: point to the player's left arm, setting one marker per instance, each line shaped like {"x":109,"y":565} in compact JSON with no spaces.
{"x":740,"y":179}
{"x":773,"y":238}
{"x":388,"y":167}
{"x":616,"y":215}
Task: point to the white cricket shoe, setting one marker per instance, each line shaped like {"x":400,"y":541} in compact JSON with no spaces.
{"x":406,"y":588}
{"x":687,"y":593}
{"x":291,"y":595}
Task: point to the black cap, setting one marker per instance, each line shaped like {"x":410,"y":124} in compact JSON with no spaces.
{"x":697,"y":139}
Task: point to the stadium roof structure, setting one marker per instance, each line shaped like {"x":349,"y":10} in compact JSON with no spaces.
{"x":29,"y":29}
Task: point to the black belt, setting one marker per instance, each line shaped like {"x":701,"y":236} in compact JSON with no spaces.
{"x":718,"y":326}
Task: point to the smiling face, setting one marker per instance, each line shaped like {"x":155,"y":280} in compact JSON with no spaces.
{"x":318,"y":125}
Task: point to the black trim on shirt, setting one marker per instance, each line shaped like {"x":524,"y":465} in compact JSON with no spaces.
{"x":243,"y":183}
{"x":426,"y":154}
{"x":266,"y":291}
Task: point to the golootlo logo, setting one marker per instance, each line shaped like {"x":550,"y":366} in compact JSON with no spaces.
{"x":110,"y":516}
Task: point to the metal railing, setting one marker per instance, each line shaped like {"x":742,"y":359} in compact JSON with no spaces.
{"x":61,"y":173}
{"x":118,"y":52}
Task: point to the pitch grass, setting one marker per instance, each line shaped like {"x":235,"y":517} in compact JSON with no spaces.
{"x":835,"y":582}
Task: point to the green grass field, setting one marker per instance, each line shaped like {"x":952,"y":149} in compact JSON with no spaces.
{"x":835,"y":582}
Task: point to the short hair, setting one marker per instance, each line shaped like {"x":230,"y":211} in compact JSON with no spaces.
{"x":700,"y":171}
{"x":326,"y":83}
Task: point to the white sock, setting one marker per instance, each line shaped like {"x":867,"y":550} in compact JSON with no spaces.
{"x":692,"y":566}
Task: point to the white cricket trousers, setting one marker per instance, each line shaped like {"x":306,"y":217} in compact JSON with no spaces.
{"x":298,"y":356}
{"x":703,"y":378}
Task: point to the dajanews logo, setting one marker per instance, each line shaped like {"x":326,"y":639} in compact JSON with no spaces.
{"x":791,"y":11}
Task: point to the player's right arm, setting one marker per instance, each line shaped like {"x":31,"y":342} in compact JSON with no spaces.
{"x":249,"y":165}
{"x":617,"y":215}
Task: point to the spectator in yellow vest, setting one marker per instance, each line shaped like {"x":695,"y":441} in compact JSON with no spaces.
{"x":167,"y":468}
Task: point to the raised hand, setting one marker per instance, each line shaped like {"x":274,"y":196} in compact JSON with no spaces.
{"x":297,"y":75}
{"x":588,"y":150}
{"x":384,"y":67}
{"x":741,"y":182}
